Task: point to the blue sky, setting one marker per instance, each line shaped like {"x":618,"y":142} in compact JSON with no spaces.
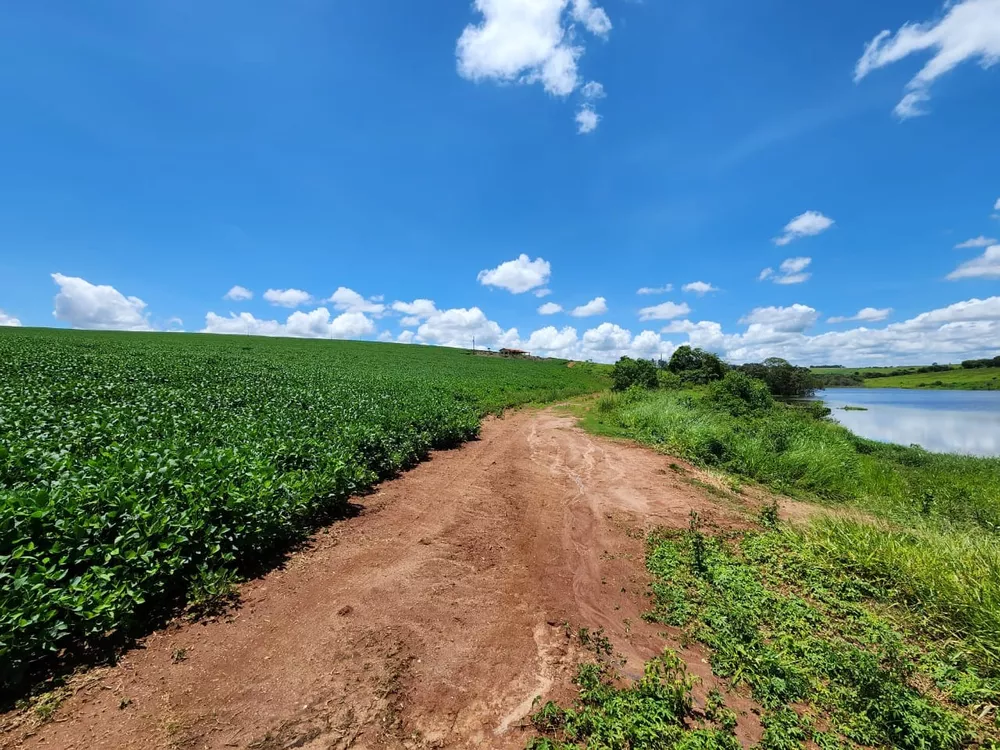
{"x":158,"y":154}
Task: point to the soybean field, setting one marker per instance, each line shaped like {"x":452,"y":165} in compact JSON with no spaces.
{"x":140,"y":472}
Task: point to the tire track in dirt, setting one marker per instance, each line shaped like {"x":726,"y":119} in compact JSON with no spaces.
{"x":431,"y":620}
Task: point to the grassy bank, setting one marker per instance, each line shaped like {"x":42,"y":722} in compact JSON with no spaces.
{"x":878,"y":628}
{"x":981,"y":379}
{"x":950,"y":377}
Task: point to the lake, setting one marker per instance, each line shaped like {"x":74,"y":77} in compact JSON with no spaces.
{"x":940,"y":421}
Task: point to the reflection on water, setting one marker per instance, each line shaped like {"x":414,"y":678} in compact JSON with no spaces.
{"x":941,"y":421}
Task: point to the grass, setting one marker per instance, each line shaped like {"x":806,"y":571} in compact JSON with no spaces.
{"x":818,"y":647}
{"x":979,"y":379}
{"x":956,"y":378}
{"x":879,"y":628}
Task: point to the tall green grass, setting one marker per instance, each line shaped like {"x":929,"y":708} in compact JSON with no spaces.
{"x":933,"y":534}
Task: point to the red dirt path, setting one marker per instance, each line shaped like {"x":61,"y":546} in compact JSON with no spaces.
{"x":431,"y":620}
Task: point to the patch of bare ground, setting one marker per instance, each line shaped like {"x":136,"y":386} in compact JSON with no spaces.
{"x":433,"y":619}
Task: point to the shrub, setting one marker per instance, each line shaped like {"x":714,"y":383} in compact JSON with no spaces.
{"x":739,"y":394}
{"x":629,"y":372}
{"x":696,"y":365}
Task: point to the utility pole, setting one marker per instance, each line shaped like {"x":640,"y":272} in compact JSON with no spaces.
{"x":473,"y":343}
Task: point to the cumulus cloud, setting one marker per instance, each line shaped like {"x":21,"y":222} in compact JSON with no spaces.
{"x":996,"y":206}
{"x":543,"y":292}
{"x":664,"y":311}
{"x":791,"y":271}
{"x":406,"y":337}
{"x":517,"y":276}
{"x":865,"y":314}
{"x":8,"y":320}
{"x":596,"y":306}
{"x":807,"y":224}
{"x":792,"y":318}
{"x":238,"y":294}
{"x":980,"y":241}
{"x":316,"y":324}
{"x":176,"y":325}
{"x":586,"y":120}
{"x":699,"y":288}
{"x":549,"y":308}
{"x":459,"y":326}
{"x":98,"y":307}
{"x":550,"y":340}
{"x":348,"y":300}
{"x":986,"y":266}
{"x":962,"y":330}
{"x":533,"y":41}
{"x":416,"y":312}
{"x":969,"y":30}
{"x":528,"y":41}
{"x":287,"y":297}
{"x":655,"y":289}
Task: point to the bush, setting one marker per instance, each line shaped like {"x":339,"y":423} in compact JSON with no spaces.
{"x":696,"y":365}
{"x":629,"y":372}
{"x":740,"y":394}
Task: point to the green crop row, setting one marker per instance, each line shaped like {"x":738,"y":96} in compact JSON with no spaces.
{"x":139,"y":471}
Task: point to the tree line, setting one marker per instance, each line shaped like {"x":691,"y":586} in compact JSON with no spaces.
{"x":694,"y":366}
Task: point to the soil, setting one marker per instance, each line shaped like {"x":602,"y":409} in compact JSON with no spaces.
{"x":432,"y":619}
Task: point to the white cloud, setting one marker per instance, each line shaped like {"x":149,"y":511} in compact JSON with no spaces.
{"x":175,"y":324}
{"x":604,"y":343}
{"x":959,"y":331}
{"x":528,"y":41}
{"x":348,"y":300}
{"x":607,"y":337}
{"x":792,"y":318}
{"x":593,"y":90}
{"x":969,"y":30}
{"x":542,"y":292}
{"x":549,"y":340}
{"x":586,"y":120}
{"x":980,"y":241}
{"x":385,"y":337}
{"x":986,"y":266}
{"x":517,"y":276}
{"x":457,"y":327}
{"x":593,"y":18}
{"x":596,"y":306}
{"x":314,"y":324}
{"x":238,"y":294}
{"x":996,"y":206}
{"x":8,"y":320}
{"x":416,"y":311}
{"x":549,"y":308}
{"x":287,"y":297}
{"x":791,"y":271}
{"x":406,"y":337}
{"x":100,"y":307}
{"x":865,"y":314}
{"x":807,"y":224}
{"x":664,"y":311}
{"x":655,"y":289}
{"x":699,"y":287}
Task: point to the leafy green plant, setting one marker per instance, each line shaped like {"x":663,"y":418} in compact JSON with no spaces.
{"x":139,"y":472}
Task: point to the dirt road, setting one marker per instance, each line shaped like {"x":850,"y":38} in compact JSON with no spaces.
{"x":432,"y":619}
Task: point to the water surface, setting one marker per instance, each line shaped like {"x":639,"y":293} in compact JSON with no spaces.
{"x":941,"y":421}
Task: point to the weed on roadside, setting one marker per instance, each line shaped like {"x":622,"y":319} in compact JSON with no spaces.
{"x":818,"y":648}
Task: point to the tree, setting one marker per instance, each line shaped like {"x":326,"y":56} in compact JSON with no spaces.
{"x":629,"y":372}
{"x":782,"y":378}
{"x":695,"y":365}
